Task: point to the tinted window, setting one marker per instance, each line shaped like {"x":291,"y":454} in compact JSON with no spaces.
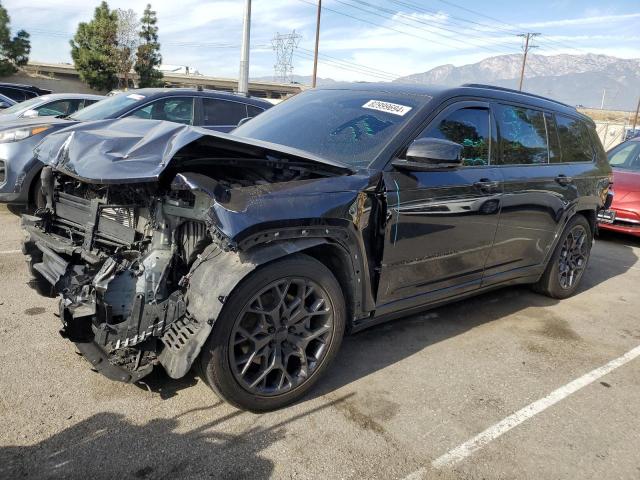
{"x":59,"y":107}
{"x":523,"y":136}
{"x":470,"y":128}
{"x":574,"y":140}
{"x":347,"y":126}
{"x":173,"y":109}
{"x":108,"y":107}
{"x":222,"y":112}
{"x":253,"y":111}
{"x":626,"y":156}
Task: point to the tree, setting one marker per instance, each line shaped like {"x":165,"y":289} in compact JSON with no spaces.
{"x":94,"y":49}
{"x":128,"y":40}
{"x":14,"y":52}
{"x":148,"y":56}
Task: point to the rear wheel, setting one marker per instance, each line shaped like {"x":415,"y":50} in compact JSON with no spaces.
{"x":276,"y":335}
{"x":569,"y":261}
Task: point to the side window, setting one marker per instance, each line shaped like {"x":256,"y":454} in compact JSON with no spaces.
{"x":174,"y":109}
{"x":59,"y":107}
{"x":470,"y":127}
{"x":626,"y":156}
{"x":574,"y":140}
{"x":523,"y":136}
{"x":253,"y":111}
{"x":222,"y":112}
{"x":555,"y":155}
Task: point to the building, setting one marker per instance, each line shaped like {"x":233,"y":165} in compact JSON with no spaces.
{"x":62,"y":77}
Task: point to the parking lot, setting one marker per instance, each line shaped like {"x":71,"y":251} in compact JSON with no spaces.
{"x":400,"y":396}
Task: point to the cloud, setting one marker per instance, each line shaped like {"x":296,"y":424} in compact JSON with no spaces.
{"x":593,"y":20}
{"x":206,"y":35}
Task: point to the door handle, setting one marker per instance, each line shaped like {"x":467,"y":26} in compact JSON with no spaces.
{"x":486,"y":185}
{"x":564,"y":180}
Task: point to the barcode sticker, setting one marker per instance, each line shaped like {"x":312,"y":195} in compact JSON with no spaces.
{"x":387,"y":107}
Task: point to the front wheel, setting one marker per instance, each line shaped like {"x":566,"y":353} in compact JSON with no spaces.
{"x":569,"y":261}
{"x":277,"y":333}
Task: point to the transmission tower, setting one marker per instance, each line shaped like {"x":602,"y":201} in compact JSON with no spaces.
{"x":284,"y":46}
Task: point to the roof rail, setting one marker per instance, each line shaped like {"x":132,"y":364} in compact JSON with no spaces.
{"x":511,"y":90}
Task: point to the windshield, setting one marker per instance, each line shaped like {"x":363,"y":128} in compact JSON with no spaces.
{"x":351,"y":127}
{"x":22,"y":106}
{"x":107,"y":107}
{"x":626,"y":156}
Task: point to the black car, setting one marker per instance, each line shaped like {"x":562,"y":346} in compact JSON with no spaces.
{"x":20,"y":171}
{"x":20,"y":93}
{"x":251,"y":254}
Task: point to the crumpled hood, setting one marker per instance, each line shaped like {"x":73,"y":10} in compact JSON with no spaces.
{"x":134,"y":150}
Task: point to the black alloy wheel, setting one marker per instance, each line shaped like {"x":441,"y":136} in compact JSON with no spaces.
{"x":567,"y":265}
{"x":277,"y":333}
{"x":573,"y":257}
{"x":281,"y":336}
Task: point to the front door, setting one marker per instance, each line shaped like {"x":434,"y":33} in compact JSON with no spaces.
{"x":441,"y":224}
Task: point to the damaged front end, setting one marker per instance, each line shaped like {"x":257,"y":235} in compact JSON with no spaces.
{"x":143,"y":266}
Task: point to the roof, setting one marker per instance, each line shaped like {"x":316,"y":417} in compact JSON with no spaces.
{"x":148,"y":92}
{"x":487,"y":91}
{"x":71,"y":96}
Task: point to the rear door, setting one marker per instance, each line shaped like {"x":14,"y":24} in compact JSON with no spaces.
{"x":442,"y":224}
{"x":541,"y":184}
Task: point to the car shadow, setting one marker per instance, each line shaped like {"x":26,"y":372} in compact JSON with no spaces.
{"x":383,"y":345}
{"x":366,"y":352}
{"x":108,"y":445}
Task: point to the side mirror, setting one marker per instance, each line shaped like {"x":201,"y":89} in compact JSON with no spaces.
{"x":4,"y":104}
{"x":30,"y":114}
{"x":243,"y":121}
{"x":426,"y":154}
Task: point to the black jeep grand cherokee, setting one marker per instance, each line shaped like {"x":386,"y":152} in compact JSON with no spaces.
{"x":251,"y":254}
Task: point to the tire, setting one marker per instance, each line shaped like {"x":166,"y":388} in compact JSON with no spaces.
{"x":265,"y":361}
{"x":566,"y":267}
{"x":37,"y":197}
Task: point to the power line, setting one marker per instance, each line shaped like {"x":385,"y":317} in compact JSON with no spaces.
{"x":423,"y":29}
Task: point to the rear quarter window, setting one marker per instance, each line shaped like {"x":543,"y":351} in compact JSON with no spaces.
{"x":575,"y":141}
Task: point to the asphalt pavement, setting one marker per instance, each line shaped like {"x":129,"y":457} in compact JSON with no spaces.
{"x":509,"y":384}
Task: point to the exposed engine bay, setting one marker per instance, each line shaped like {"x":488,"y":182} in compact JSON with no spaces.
{"x":123,"y":257}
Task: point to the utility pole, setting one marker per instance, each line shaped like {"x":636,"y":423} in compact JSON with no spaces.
{"x":527,"y":46}
{"x":635,"y":119}
{"x":315,"y":50}
{"x":243,"y":78}
{"x":604,"y":92}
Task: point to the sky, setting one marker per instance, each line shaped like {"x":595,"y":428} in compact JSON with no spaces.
{"x":359,"y":40}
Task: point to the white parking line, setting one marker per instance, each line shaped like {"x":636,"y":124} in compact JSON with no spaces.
{"x":467,"y":448}
{"x":9,"y":252}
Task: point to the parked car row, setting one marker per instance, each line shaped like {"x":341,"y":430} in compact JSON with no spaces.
{"x":25,"y":124}
{"x":249,"y":254}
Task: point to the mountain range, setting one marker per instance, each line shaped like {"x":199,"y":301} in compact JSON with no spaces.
{"x":573,"y":79}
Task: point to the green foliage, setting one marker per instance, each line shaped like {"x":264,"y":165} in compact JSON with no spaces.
{"x":14,"y":52}
{"x":93,"y":49}
{"x":148,"y":57}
